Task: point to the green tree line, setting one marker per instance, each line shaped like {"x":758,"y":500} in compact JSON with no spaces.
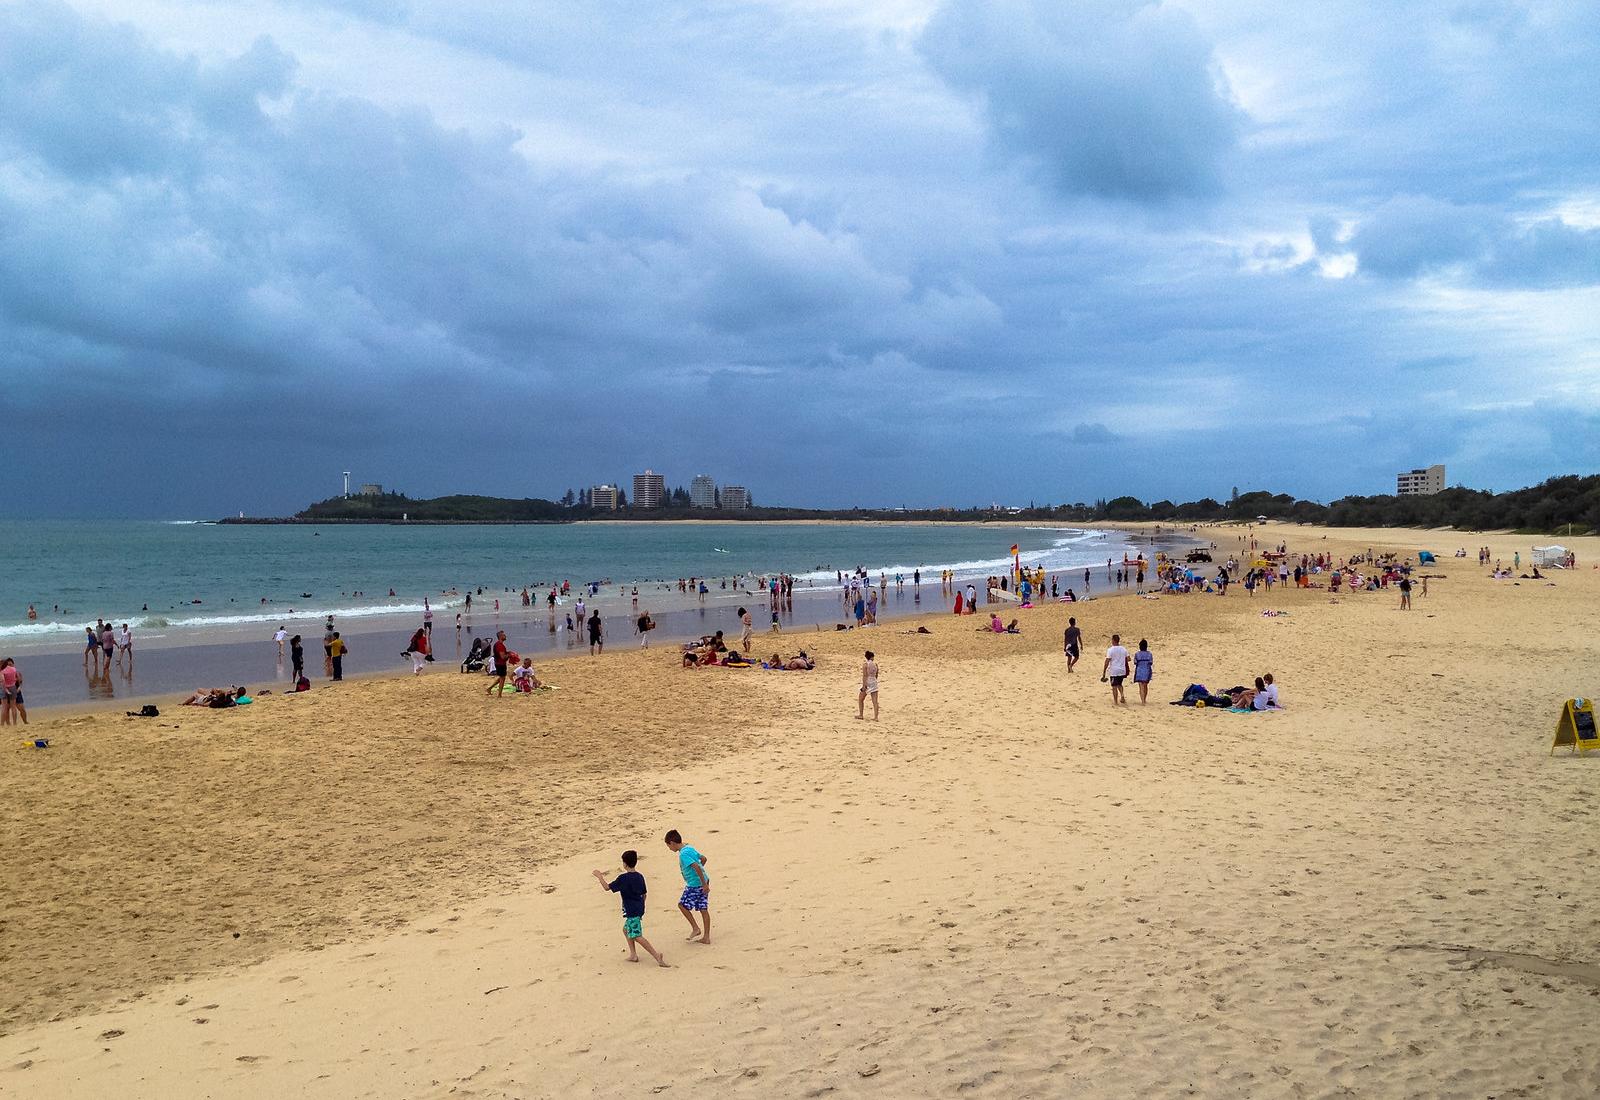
{"x":1559,"y":504}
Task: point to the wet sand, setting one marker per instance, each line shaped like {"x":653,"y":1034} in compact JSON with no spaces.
{"x":162,"y":673}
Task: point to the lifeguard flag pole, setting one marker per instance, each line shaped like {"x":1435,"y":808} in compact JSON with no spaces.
{"x":1016,"y":563}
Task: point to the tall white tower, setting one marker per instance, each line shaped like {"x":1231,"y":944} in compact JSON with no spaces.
{"x":347,"y":483}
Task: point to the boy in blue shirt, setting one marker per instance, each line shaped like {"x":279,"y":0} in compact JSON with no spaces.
{"x":696,"y":887}
{"x":630,"y":884}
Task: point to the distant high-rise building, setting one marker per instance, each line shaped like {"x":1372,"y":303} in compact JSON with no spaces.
{"x":702,"y":492}
{"x":735,"y":497}
{"x":649,"y":490}
{"x":604,"y":497}
{"x":1420,"y":483}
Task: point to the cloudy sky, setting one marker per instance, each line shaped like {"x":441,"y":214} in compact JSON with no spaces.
{"x":899,"y":252}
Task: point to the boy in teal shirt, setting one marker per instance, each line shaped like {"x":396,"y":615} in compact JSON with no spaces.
{"x":696,"y":886}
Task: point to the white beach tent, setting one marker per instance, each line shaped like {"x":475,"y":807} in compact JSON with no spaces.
{"x":1551,"y":557}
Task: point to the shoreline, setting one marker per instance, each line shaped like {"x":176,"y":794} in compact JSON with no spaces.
{"x":236,"y":612}
{"x":176,"y":659}
{"x":212,"y":663}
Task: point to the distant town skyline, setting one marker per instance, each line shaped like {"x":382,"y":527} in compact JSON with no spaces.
{"x":921,"y":252}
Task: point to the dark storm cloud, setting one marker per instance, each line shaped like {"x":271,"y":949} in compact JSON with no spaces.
{"x":1411,"y":236}
{"x":1114,"y":98}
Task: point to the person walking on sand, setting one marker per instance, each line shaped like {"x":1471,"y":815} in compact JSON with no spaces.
{"x":696,"y":886}
{"x":597,"y":635}
{"x":869,"y":686}
{"x":297,"y":659}
{"x":1144,"y":667}
{"x":744,"y":630}
{"x":427,"y":617}
{"x":125,"y":646}
{"x":1072,"y":643}
{"x":501,"y":664}
{"x":1405,"y":593}
{"x":1116,"y":669}
{"x":336,"y":651}
{"x":418,"y":650}
{"x":631,"y":885}
{"x":972,"y":599}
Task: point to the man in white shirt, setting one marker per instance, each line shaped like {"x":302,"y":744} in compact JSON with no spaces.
{"x":1116,"y":669}
{"x":280,"y":636}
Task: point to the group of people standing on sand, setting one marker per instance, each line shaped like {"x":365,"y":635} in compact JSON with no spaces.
{"x":693,"y":903}
{"x":334,"y":649}
{"x":103,"y":641}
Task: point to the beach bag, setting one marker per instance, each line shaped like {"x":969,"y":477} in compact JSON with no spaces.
{"x":302,"y":684}
{"x":147,"y":711}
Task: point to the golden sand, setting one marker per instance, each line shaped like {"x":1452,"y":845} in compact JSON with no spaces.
{"x":1005,"y":888}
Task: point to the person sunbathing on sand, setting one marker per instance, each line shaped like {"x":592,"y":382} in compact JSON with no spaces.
{"x":799,"y":663}
{"x":213,"y":697}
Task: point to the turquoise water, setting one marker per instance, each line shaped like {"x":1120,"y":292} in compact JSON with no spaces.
{"x":75,"y":571}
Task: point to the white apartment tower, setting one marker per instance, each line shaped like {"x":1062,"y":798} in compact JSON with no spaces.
{"x":603,"y":496}
{"x":1420,"y":483}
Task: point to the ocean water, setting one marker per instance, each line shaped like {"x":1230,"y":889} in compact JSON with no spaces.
{"x":186,"y":580}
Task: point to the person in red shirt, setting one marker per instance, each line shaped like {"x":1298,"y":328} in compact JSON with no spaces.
{"x":418,"y":650}
{"x":501,"y":664}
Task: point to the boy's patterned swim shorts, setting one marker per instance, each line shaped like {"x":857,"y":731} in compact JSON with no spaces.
{"x":633,"y":927}
{"x":694,"y":898}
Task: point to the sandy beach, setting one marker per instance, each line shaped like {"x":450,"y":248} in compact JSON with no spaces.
{"x":1006,"y":887}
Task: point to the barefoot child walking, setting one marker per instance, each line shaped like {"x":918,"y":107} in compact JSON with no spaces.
{"x":696,"y":886}
{"x":630,"y":884}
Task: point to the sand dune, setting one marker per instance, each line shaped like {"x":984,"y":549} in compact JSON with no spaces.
{"x":1004,"y":888}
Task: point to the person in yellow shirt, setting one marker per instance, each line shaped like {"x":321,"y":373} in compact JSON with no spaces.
{"x":336,"y":650}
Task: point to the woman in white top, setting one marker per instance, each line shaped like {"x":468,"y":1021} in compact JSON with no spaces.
{"x":869,"y":686}
{"x":1267,"y":697}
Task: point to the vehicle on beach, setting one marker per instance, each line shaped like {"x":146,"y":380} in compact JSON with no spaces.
{"x":1197,"y":555}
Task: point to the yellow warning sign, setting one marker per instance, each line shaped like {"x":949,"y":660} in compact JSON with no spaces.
{"x":1575,"y":727}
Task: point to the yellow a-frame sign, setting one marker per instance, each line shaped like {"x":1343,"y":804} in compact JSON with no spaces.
{"x":1575,"y":727}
